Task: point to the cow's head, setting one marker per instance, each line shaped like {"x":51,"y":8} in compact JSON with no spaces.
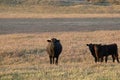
{"x":90,"y":45}
{"x":54,"y":40}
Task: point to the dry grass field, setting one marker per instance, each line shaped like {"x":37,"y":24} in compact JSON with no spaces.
{"x":23,"y":57}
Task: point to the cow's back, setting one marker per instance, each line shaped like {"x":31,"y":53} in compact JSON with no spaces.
{"x":112,"y":49}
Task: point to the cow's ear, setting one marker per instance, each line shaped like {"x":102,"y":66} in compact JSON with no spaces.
{"x":48,"y":40}
{"x":58,"y":40}
{"x":87,"y":44}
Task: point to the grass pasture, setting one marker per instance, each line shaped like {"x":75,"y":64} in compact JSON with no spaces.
{"x":37,"y":11}
{"x":23,"y":57}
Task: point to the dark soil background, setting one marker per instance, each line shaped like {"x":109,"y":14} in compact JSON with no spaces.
{"x":35,"y":25}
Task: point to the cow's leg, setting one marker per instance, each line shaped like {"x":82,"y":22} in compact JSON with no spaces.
{"x":57,"y":60}
{"x":53,"y":60}
{"x":98,"y":59}
{"x":50,"y":59}
{"x":95,"y":59}
{"x":117,"y":58}
{"x":106,"y":59}
{"x":113,"y":57}
{"x":101,"y":59}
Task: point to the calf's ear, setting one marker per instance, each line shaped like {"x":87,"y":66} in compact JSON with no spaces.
{"x":48,"y":40}
{"x":87,"y":44}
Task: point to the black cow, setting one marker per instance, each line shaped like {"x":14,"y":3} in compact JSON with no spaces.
{"x":110,"y":49}
{"x":100,"y":51}
{"x":54,"y":48}
{"x":92,"y":50}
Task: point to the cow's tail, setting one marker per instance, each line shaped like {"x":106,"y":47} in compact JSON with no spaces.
{"x":116,"y":50}
{"x":117,"y":54}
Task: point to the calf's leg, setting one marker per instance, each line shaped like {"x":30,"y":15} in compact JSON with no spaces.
{"x":106,"y":59}
{"x":113,"y":57}
{"x":95,"y":60}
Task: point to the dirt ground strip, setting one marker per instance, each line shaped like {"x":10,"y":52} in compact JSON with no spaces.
{"x":36,"y":25}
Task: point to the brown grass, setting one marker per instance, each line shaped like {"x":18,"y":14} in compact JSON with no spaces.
{"x":76,"y":11}
{"x":75,"y":62}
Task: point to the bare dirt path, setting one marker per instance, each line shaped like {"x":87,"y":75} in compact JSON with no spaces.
{"x":33,"y":25}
